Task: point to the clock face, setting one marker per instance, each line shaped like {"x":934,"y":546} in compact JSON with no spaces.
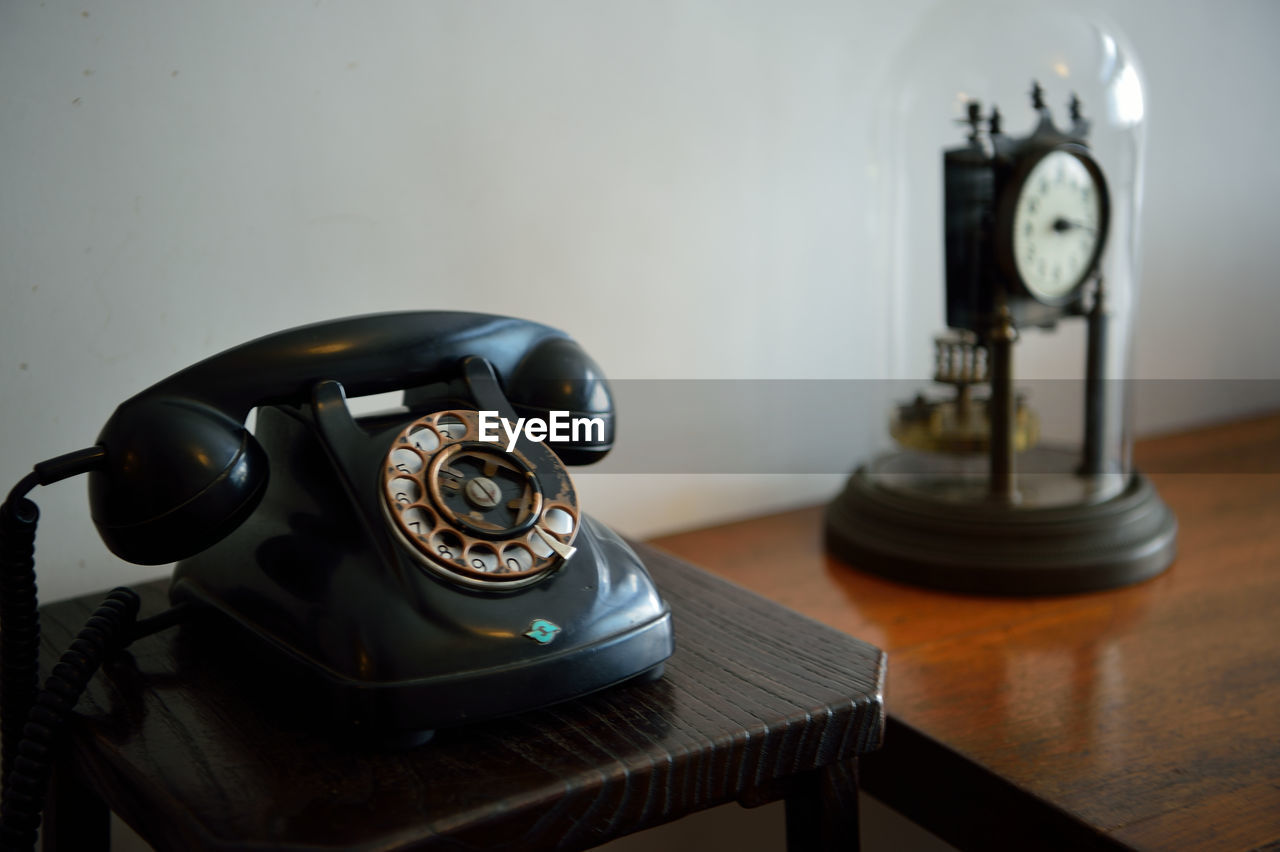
{"x":1059,"y":223}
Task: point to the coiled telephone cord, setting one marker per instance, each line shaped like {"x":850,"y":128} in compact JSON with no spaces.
{"x":24,"y":796}
{"x":32,"y":720}
{"x":20,"y":618}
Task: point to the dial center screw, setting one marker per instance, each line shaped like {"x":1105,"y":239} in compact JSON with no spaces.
{"x":482,"y":492}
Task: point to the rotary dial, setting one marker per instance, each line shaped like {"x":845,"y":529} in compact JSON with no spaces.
{"x":473,"y":512}
{"x":1059,"y":223}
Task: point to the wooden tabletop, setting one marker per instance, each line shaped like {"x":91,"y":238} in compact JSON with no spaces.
{"x":1145,"y":717}
{"x":756,"y":704}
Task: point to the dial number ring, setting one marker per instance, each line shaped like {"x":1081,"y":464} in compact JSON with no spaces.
{"x":472,"y":512}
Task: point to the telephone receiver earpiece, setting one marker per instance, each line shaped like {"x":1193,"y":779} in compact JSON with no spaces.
{"x":181,"y":471}
{"x":178,"y":476}
{"x":557,"y":376}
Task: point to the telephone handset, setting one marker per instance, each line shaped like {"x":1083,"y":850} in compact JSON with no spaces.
{"x":182,"y":470}
{"x":414,"y":574}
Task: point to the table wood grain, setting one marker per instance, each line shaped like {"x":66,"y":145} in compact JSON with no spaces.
{"x":1146,"y":717}
{"x":757,"y":704}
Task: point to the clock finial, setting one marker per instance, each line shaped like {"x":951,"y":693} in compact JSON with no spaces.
{"x":1079,"y":124}
{"x":1037,"y":95}
{"x":993,"y":123}
{"x":973,"y":118}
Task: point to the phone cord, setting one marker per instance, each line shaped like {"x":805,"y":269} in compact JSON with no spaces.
{"x":20,"y":623}
{"x":31,"y":722}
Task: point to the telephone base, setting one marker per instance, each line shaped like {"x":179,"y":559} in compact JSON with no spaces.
{"x":650,"y":675}
{"x":307,"y":698}
{"x":398,"y":740}
{"x":343,"y":608}
{"x":423,"y":656}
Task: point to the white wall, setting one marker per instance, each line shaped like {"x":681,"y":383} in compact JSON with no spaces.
{"x":681,"y":185}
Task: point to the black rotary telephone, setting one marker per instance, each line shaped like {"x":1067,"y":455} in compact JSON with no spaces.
{"x":408,"y":569}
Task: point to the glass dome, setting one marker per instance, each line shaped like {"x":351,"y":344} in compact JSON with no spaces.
{"x":1008,"y":141}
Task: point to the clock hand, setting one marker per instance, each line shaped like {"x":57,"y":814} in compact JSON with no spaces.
{"x":1061,"y":225}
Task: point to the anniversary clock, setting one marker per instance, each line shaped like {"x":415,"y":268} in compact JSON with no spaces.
{"x":982,"y":492}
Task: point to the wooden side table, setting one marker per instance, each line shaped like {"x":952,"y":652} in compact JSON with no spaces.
{"x":757,"y":704}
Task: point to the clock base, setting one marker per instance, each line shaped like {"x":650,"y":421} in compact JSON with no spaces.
{"x":992,"y":547}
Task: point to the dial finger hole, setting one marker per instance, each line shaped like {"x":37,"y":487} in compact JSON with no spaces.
{"x":517,"y":558}
{"x":484,"y":560}
{"x":417,"y":520}
{"x":558,"y":521}
{"x":451,"y":427}
{"x":425,"y":439}
{"x":406,"y":460}
{"x":405,"y":490}
{"x":447,"y":545}
{"x":539,"y":545}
